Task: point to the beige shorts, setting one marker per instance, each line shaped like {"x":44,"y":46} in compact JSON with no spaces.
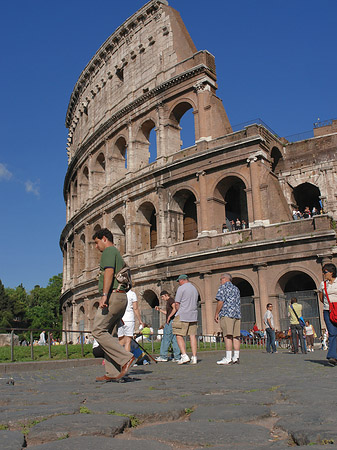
{"x":230,"y":327}
{"x":184,"y":328}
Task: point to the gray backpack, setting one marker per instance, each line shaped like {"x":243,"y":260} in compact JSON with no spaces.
{"x":124,"y":278}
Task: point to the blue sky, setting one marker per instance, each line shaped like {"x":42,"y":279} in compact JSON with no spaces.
{"x":275,"y":60}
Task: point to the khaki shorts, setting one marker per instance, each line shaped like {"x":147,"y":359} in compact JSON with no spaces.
{"x":230,"y":327}
{"x":184,"y":328}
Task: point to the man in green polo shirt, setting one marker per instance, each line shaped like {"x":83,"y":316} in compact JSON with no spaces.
{"x":111,"y":308}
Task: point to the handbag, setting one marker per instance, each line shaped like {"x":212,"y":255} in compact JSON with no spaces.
{"x":332,"y":307}
{"x":300,"y":319}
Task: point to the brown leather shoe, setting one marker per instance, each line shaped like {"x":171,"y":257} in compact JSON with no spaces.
{"x":105,"y":378}
{"x":126,"y":368}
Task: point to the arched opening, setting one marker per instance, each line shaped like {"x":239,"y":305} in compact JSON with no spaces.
{"x":143,"y":143}
{"x":184,"y":220}
{"x":180,"y":128}
{"x":147,"y":227}
{"x":84,"y":186}
{"x":276,"y":157}
{"x":74,"y":198}
{"x":230,"y":205}
{"x":149,"y":314}
{"x":119,"y":157}
{"x":99,"y":173}
{"x":302,"y":286}
{"x":306,"y":194}
{"x":247,"y":303}
{"x":81,"y":318}
{"x":118,"y":231}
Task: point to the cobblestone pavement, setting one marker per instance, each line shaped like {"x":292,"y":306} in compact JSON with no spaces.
{"x":268,"y":401}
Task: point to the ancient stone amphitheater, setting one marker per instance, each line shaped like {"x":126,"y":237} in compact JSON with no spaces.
{"x":171,"y":210}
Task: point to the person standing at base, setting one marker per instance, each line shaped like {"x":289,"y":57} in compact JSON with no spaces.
{"x":126,"y":328}
{"x":228,"y":311}
{"x":186,"y":320}
{"x":111,"y":308}
{"x":168,"y":336}
{"x":268,"y":320}
{"x":295,"y":312}
{"x":328,"y":289}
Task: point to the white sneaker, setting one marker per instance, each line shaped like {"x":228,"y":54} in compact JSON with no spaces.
{"x":160,"y":359}
{"x":194,"y":360}
{"x":184,"y":359}
{"x":224,"y":361}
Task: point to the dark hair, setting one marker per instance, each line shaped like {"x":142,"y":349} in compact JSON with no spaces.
{"x":164,"y":293}
{"x":293,"y":300}
{"x":103,"y":232}
{"x":330,"y":268}
{"x":269,"y":304}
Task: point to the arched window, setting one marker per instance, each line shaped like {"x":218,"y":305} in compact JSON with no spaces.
{"x":120,"y":157}
{"x":84,"y":186}
{"x":118,"y":231}
{"x":180,"y":128}
{"x":147,"y":227}
{"x":230,"y":204}
{"x":99,"y":173}
{"x":143,"y":143}
{"x":276,"y":157}
{"x":183,"y":216}
{"x":307,"y":194}
{"x":247,"y":303}
{"x":302,"y":286}
{"x":81,"y":254}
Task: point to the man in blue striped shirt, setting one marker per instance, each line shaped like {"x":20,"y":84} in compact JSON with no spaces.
{"x":228,"y":311}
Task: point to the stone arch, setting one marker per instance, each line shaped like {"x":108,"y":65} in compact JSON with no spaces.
{"x":142,"y":143}
{"x":81,"y":254}
{"x":146,"y":228}
{"x":84,"y":184}
{"x":74,"y":194}
{"x":119,"y":158}
{"x":149,"y":314}
{"x":98,"y":172}
{"x":174,"y":129}
{"x":248,"y":317}
{"x":81,"y":318}
{"x":276,"y":160}
{"x":230,"y":203}
{"x":118,"y":231}
{"x":299,"y":284}
{"x":183,"y":216}
{"x":307,"y":194}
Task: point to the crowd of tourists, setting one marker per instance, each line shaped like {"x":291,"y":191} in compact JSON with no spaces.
{"x":306,"y":213}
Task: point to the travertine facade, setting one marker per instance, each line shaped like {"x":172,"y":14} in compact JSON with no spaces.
{"x":167,"y":216}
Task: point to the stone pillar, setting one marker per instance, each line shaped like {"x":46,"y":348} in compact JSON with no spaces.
{"x":90,"y":168}
{"x":203,"y":94}
{"x":263,"y":292}
{"x":208,"y":327}
{"x":203,"y":216}
{"x":128,"y":227}
{"x":87,"y":248}
{"x":255,"y":184}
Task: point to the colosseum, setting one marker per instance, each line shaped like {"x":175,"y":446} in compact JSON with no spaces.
{"x":226,"y":203}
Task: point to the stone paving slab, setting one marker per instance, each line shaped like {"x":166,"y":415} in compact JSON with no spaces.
{"x":62,"y":427}
{"x":101,"y":443}
{"x":204,"y":433}
{"x":268,"y":401}
{"x":11,"y":440}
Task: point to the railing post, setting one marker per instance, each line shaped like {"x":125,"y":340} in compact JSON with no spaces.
{"x":49,"y":345}
{"x":67,"y":353}
{"x":152,"y":343}
{"x":31,"y":346}
{"x":82,"y":349}
{"x":12,"y":345}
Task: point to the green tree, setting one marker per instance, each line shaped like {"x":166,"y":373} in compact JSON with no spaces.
{"x":18,"y":301}
{"x":6,"y":314}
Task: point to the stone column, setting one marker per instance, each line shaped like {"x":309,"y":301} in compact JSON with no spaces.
{"x":255,"y":184}
{"x":208,"y":327}
{"x":263,"y":292}
{"x":203,"y":216}
{"x":90,"y":187}
{"x":129,"y":247}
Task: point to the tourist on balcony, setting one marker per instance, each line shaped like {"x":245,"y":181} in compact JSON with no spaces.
{"x":238,"y":224}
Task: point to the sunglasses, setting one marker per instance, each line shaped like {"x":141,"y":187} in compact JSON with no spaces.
{"x":326,"y":271}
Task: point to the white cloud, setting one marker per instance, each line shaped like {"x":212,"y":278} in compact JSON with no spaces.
{"x":5,"y":174}
{"x":33,"y":187}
